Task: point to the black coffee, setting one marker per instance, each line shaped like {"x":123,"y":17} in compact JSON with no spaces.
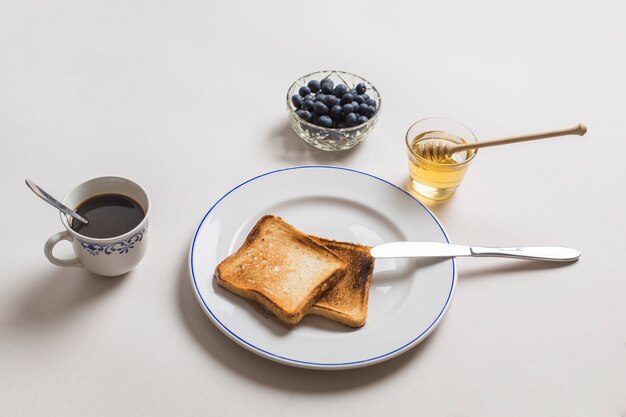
{"x":109,"y":215}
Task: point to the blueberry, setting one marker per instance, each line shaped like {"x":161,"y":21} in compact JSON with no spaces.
{"x":363,"y":109}
{"x":308,"y":105}
{"x":335,"y":124}
{"x":325,"y":121}
{"x":314,"y":118}
{"x":355,"y":106}
{"x":347,"y":98}
{"x":304,"y":114}
{"x":347,"y":108}
{"x":330,"y":100}
{"x":314,"y":85}
{"x":351,"y":119}
{"x":304,"y":90}
{"x":353,"y":91}
{"x":370,"y":102}
{"x":328,"y":86}
{"x":361,"y":88}
{"x":365,"y":97}
{"x":310,"y":97}
{"x":369,"y":112}
{"x":320,"y":108}
{"x":297,"y":100}
{"x":335,"y":112}
{"x":319,"y":97}
{"x":361,"y":120}
{"x":340,"y":90}
{"x":341,"y":125}
{"x":358,"y":99}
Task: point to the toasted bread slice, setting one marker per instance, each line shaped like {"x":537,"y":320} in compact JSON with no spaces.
{"x":281,"y":268}
{"x":347,"y":301}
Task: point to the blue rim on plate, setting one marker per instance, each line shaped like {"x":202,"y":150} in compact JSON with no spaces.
{"x":296,"y":362}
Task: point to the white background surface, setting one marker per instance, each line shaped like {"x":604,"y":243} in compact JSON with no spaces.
{"x":187,"y":98}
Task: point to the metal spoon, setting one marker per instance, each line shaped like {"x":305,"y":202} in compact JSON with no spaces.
{"x":52,"y":201}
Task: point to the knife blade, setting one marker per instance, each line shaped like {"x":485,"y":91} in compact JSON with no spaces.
{"x":436,"y":249}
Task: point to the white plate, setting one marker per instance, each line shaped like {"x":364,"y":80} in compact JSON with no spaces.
{"x":407,"y":300}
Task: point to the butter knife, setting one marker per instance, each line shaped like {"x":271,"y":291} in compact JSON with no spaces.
{"x":434,"y":249}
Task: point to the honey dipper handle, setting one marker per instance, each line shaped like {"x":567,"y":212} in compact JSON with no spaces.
{"x":579,"y":130}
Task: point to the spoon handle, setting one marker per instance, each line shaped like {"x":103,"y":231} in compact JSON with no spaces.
{"x":54,"y":202}
{"x":579,"y":130}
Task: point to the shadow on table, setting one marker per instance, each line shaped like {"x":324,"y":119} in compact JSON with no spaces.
{"x":295,"y":151}
{"x":509,"y":266}
{"x":438,"y":207}
{"x":274,"y":374}
{"x":59,"y":292}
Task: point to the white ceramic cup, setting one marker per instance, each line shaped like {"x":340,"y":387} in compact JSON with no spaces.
{"x":111,"y":256}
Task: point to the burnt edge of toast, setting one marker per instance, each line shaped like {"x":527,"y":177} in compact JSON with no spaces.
{"x":359,"y":255}
{"x":363,"y":258}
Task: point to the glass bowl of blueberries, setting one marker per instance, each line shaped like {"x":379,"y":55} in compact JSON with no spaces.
{"x":333,"y":110}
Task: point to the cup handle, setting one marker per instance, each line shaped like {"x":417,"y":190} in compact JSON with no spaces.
{"x":54,"y":239}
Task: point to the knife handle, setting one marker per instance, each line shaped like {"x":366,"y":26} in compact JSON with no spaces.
{"x":537,"y":253}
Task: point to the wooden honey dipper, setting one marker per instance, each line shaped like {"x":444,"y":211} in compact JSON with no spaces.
{"x":438,"y":150}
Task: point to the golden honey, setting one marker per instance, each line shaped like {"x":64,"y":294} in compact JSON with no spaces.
{"x":437,"y":180}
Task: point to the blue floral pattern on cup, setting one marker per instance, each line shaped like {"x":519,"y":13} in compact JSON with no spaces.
{"x":122,"y":247}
